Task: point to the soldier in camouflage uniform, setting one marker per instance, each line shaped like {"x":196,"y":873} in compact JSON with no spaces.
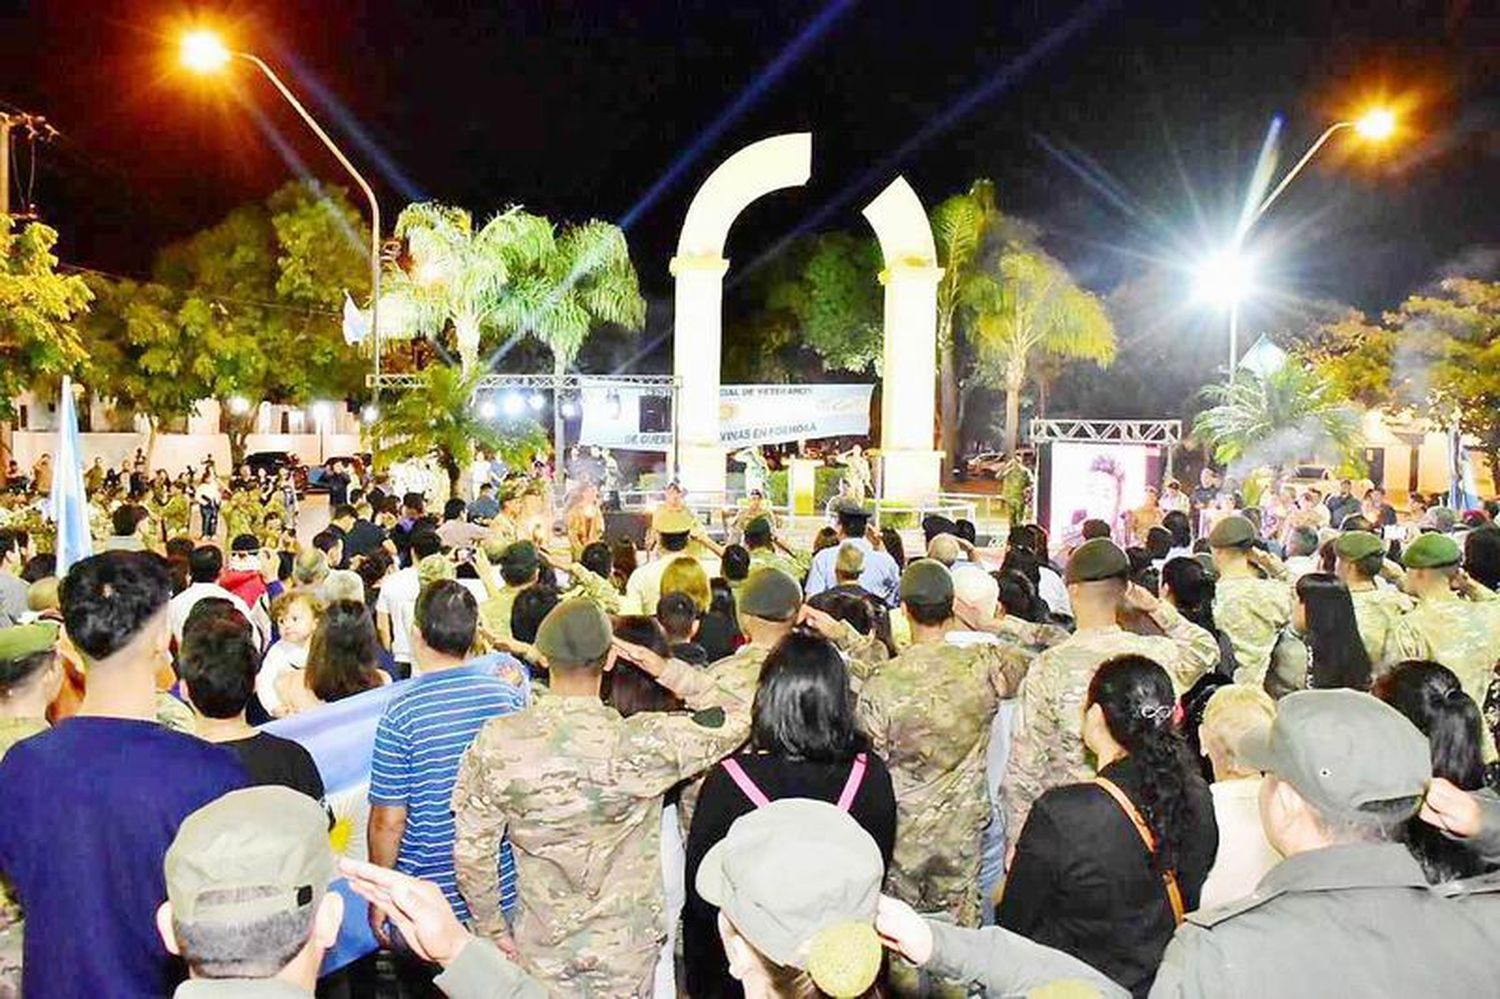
{"x":761,"y":541}
{"x":1047,"y":750}
{"x":1380,"y":613}
{"x":927,"y":713}
{"x":1458,"y":618}
{"x":579,"y":791}
{"x":1248,"y":608}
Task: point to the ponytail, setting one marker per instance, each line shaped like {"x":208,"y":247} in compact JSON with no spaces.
{"x":1136,"y":697}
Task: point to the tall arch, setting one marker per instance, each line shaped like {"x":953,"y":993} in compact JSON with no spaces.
{"x":911,"y":469}
{"x":698,"y":270}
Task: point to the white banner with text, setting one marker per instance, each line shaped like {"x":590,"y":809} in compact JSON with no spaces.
{"x":749,"y":415}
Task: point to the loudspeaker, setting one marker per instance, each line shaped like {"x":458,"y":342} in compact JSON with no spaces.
{"x":627,"y":524}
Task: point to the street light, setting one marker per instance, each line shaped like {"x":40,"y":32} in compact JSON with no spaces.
{"x":204,"y":52}
{"x":1229,"y":273}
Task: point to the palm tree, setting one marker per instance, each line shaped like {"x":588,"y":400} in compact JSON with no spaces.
{"x":439,"y":420}
{"x":960,"y":225}
{"x":1283,"y":416}
{"x":1024,"y":305}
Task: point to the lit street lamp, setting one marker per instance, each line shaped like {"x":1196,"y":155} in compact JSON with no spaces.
{"x":1228,"y":278}
{"x":204,"y":52}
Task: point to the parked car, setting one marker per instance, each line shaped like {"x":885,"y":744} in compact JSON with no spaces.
{"x":272,"y":462}
{"x":984,"y":465}
{"x":1319,"y":478}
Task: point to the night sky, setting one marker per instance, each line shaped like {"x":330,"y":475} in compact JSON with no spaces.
{"x":1126,"y":130}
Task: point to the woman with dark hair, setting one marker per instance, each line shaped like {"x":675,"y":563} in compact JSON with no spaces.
{"x":1106,"y":870}
{"x":1188,"y":586}
{"x":890,"y":538}
{"x":1482,"y":555}
{"x":623,"y":550}
{"x":734,"y":564}
{"x":804,"y":743}
{"x":719,"y":627}
{"x":626,"y":687}
{"x":1321,"y":648}
{"x":1431,"y":697}
{"x":864,"y":613}
{"x":342,"y":660}
{"x":826,"y":537}
{"x":1019,"y":598}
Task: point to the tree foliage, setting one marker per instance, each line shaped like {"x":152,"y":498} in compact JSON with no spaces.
{"x":247,"y":307}
{"x":514,"y":276}
{"x":1022,"y":305}
{"x":439,"y":420}
{"x":1284,"y":416}
{"x":834,"y":297}
{"x":960,"y":226}
{"x":38,"y":341}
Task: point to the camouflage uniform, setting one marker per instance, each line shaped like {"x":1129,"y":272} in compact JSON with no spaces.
{"x":1463,"y":635}
{"x":794,"y":567}
{"x":494,"y":613}
{"x":579,"y":791}
{"x":1383,"y":627}
{"x":927,"y":713}
{"x":1252,"y":612}
{"x":585,"y":583}
{"x":1047,"y":750}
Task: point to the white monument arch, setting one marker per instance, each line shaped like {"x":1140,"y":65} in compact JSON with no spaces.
{"x":911,"y":468}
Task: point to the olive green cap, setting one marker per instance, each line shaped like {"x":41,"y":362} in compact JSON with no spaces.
{"x":520,"y":556}
{"x":1233,"y":531}
{"x":926,"y":581}
{"x":1097,"y":560}
{"x":1432,"y":551}
{"x":574,"y":633}
{"x":675,"y":522}
{"x":1341,"y":750}
{"x":770,"y":594}
{"x":25,"y":640}
{"x":851,"y":559}
{"x":433,"y":568}
{"x":271,"y":842}
{"x":1355,"y":545}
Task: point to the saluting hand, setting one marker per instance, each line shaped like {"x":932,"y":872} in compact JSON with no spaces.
{"x":1451,"y":809}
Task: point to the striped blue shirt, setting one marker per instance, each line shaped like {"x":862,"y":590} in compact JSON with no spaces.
{"x":419,"y":743}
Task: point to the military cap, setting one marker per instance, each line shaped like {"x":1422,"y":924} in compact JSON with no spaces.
{"x":926,"y":581}
{"x":851,"y":559}
{"x":758,"y":527}
{"x":1341,"y":750}
{"x":1097,"y":560}
{"x":433,"y":568}
{"x":944,"y":548}
{"x":25,"y":640}
{"x":1443,"y":518}
{"x":520,"y":557}
{"x":573,"y":633}
{"x":1432,"y":551}
{"x":800,"y":880}
{"x":1233,"y":531}
{"x":675,"y":522}
{"x":1355,"y":545}
{"x":271,"y":841}
{"x":770,"y":594}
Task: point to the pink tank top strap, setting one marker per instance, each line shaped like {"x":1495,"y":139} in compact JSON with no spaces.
{"x":737,"y":774}
{"x":851,"y":786}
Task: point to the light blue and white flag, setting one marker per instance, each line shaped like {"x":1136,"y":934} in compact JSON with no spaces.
{"x":70,"y":508}
{"x":1463,"y":491}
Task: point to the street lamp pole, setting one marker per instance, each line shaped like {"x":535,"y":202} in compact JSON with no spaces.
{"x":364,"y":186}
{"x":1291,"y":174}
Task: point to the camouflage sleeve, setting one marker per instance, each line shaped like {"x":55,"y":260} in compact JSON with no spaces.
{"x":479,"y":826}
{"x":1037,"y":729}
{"x":1038,"y":636}
{"x":1197,"y":651}
{"x":870,"y":713}
{"x":595,"y":587}
{"x":658,"y":750}
{"x":867,"y":650}
{"x":1405,"y":642}
{"x":699,"y":690}
{"x":1006,"y":666}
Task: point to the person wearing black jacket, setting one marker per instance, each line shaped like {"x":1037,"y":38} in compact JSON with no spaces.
{"x":1084,"y":879}
{"x":803,"y":744}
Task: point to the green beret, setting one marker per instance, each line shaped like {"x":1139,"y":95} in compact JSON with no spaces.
{"x":926,"y":581}
{"x":1232,"y":532}
{"x":1432,"y":551}
{"x":675,"y":522}
{"x":25,"y":640}
{"x":574,"y":633}
{"x":1097,"y":560}
{"x":770,"y":594}
{"x":520,"y":557}
{"x":1355,"y":545}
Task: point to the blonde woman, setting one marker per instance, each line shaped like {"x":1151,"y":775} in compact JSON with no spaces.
{"x":1245,"y":855}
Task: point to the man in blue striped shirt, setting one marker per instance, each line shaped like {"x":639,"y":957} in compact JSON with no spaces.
{"x":422,"y":737}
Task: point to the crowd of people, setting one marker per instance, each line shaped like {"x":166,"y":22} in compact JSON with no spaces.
{"x":1255,"y":758}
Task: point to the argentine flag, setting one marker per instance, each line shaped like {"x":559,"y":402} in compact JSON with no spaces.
{"x":70,"y":509}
